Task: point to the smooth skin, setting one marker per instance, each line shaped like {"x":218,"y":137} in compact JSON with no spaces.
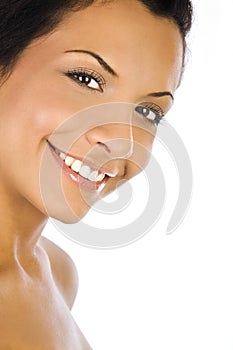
{"x":38,"y":281}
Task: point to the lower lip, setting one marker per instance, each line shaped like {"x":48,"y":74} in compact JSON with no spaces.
{"x":77,"y":179}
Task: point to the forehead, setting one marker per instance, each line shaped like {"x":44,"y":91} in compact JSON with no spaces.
{"x":127,"y":35}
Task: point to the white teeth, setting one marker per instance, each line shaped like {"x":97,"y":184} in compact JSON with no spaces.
{"x":100,"y":177}
{"x":76,"y":165}
{"x":69,"y":160}
{"x":93,"y":176}
{"x":62,"y":156}
{"x":85,"y":171}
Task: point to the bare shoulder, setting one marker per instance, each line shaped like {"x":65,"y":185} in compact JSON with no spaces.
{"x":63,"y":269}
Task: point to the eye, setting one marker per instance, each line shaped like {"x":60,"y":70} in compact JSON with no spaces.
{"x":151,"y":112}
{"x":87,"y":78}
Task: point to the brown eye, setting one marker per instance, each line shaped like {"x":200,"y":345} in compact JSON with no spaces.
{"x":88,"y":81}
{"x":150,"y":113}
{"x":87,"y":78}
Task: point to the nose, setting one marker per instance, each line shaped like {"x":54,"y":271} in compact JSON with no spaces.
{"x":114,"y":132}
{"x":115,"y":139}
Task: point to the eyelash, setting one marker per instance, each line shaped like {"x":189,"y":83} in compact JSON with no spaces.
{"x":151,"y":107}
{"x":75,"y":74}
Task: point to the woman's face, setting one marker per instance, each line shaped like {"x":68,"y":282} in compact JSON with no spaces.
{"x":95,"y":58}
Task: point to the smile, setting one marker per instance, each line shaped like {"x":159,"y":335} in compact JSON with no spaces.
{"x":82,"y":172}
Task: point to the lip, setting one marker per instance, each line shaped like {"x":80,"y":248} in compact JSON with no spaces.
{"x":86,"y":161}
{"x":77,"y":179}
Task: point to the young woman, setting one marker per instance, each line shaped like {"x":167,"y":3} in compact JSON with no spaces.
{"x":58,"y":59}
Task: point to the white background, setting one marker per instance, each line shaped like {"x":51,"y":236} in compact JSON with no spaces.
{"x":175,"y":292}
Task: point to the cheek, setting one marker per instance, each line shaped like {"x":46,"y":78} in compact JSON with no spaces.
{"x":144,"y":136}
{"x":143,"y":142}
{"x":35,"y":105}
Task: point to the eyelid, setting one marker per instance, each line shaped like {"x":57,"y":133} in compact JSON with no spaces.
{"x":153,"y":106}
{"x":88,"y":72}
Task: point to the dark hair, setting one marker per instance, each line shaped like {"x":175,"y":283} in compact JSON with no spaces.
{"x":22,"y":21}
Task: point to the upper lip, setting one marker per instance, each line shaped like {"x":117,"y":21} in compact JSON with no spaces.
{"x":86,"y":161}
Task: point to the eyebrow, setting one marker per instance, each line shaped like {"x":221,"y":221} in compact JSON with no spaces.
{"x":161,"y":94}
{"x":99,"y":59}
{"x":110,"y":70}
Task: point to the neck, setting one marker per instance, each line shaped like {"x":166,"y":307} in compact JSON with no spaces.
{"x":21,"y":227}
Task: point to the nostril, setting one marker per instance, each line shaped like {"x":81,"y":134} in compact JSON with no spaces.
{"x":104,"y":145}
{"x":93,"y":137}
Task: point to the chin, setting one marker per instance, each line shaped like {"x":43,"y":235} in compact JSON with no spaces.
{"x":67,"y":214}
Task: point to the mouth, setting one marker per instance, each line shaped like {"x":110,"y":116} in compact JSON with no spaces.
{"x":83,"y":173}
